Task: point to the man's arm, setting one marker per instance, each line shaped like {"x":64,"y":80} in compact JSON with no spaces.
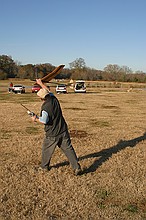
{"x":39,"y":82}
{"x":43,"y":119}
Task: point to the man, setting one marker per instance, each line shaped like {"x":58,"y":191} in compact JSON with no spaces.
{"x":56,"y":130}
{"x":10,"y":89}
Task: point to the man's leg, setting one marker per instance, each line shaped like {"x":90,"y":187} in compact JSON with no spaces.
{"x":48,"y":148}
{"x":69,"y":151}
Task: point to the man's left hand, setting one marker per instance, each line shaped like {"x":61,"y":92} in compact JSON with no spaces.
{"x":33,"y":118}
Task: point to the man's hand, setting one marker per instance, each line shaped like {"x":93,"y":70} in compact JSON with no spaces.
{"x":39,"y":82}
{"x":30,"y":113}
{"x":33,"y":118}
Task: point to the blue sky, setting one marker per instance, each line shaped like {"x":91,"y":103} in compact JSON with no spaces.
{"x":101,"y":32}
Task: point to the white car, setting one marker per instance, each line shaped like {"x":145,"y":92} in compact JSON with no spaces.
{"x":19,"y":88}
{"x":61,"y":88}
{"x":80,"y":86}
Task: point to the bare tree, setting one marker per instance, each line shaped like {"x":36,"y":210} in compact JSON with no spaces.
{"x":78,"y":68}
{"x":79,"y":63}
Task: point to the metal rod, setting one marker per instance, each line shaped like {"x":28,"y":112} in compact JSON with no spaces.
{"x":24,"y":107}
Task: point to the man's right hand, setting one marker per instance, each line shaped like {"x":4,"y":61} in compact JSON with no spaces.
{"x":39,"y":82}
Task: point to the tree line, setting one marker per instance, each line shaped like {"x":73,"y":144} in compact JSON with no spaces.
{"x":77,"y":70}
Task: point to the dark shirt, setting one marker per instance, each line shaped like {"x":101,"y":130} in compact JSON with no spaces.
{"x":56,"y":124}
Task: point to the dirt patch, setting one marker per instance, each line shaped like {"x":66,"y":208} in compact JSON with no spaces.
{"x":78,"y":133}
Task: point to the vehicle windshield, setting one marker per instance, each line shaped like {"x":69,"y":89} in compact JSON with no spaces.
{"x":36,"y":86}
{"x":18,"y":86}
{"x":61,"y":86}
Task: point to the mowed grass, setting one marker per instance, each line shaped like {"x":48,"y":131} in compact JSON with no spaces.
{"x":108,"y":132}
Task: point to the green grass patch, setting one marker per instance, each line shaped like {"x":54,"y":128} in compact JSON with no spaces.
{"x":32,"y":130}
{"x":5,"y":134}
{"x":102,"y":193}
{"x":102,"y":197}
{"x":132,"y":208}
{"x":99,"y":124}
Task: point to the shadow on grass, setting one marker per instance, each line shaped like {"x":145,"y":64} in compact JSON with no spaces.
{"x":107,"y":153}
{"x":103,"y":155}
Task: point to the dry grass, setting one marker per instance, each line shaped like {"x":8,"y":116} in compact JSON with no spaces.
{"x":108,"y":131}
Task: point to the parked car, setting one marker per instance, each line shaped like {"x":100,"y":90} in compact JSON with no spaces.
{"x":35,"y":88}
{"x":61,"y":88}
{"x":18,"y":88}
{"x":80,"y":86}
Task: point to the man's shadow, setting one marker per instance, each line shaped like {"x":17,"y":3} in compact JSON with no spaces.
{"x":107,"y":153}
{"x":103,"y":155}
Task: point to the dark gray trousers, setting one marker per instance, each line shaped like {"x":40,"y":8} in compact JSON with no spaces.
{"x":64,"y":143}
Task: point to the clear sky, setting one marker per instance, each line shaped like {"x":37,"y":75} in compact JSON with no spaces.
{"x":101,"y":32}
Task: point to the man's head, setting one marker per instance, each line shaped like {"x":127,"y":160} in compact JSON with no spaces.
{"x":42,"y":93}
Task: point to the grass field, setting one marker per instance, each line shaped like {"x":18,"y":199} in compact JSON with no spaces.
{"x":108,"y":131}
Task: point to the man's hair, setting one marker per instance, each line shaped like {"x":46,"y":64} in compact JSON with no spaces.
{"x":46,"y":97}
